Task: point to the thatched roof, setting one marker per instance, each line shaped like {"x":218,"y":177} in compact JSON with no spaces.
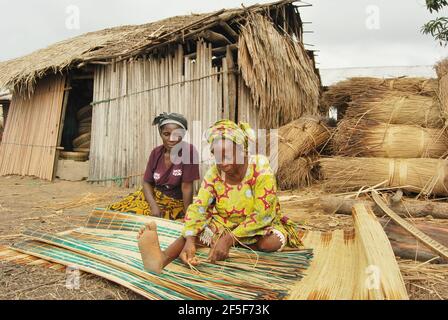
{"x":113,"y":43}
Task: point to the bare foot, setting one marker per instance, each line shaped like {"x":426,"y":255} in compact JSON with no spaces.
{"x":148,"y":243}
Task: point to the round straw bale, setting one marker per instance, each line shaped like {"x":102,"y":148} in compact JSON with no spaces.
{"x":85,"y":150}
{"x":84,"y":112}
{"x":77,"y":156}
{"x":83,"y":130}
{"x":298,"y":138}
{"x":365,"y":138}
{"x":81,"y":140}
{"x":85,"y":125}
{"x":85,"y":121}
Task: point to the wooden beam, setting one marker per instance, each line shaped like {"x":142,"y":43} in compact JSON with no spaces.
{"x":229,"y":30}
{"x":216,"y":51}
{"x":232,"y":83}
{"x":425,"y":239}
{"x":406,"y":208}
{"x":214,"y":37}
{"x":61,"y":124}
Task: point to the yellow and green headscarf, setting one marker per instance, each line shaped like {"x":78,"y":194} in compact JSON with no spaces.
{"x":240,"y":133}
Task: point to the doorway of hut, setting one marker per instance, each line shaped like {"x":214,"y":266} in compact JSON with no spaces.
{"x":76,"y":129}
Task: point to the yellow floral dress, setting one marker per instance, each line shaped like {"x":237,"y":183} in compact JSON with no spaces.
{"x":248,"y":210}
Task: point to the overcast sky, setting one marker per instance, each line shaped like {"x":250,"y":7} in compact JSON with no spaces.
{"x":348,"y":33}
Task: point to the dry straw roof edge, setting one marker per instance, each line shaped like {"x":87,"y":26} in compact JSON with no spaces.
{"x":106,"y":44}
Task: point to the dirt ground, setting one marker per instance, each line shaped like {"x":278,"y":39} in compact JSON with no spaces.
{"x":28,"y":203}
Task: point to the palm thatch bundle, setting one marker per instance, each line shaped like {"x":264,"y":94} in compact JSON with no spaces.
{"x":363,"y":138}
{"x":423,"y":176}
{"x":298,"y":138}
{"x":442,"y":73}
{"x":397,"y":108}
{"x":283,"y":86}
{"x":348,"y":90}
{"x":301,"y":172}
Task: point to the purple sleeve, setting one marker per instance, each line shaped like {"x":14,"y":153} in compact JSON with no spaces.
{"x":148,"y":177}
{"x":190,"y":171}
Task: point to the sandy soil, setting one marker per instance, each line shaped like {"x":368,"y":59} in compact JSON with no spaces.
{"x":28,"y":203}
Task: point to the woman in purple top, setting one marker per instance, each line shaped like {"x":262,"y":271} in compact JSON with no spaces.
{"x":171,"y":170}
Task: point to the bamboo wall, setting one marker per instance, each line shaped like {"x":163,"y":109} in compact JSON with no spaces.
{"x":31,"y":133}
{"x":247,"y":112}
{"x":129,"y":94}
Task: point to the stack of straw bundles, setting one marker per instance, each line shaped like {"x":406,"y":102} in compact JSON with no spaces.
{"x":423,"y":176}
{"x":442,"y":73}
{"x":348,"y":90}
{"x":363,"y":138}
{"x":396,"y":107}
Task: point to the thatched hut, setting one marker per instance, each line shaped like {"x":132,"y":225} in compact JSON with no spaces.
{"x":97,"y":93}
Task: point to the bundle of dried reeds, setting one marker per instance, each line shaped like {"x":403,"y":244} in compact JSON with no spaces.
{"x":301,"y":172}
{"x":442,"y":73}
{"x":347,"y":90}
{"x":397,"y":108}
{"x":363,"y":138}
{"x":296,"y":139}
{"x":283,"y":86}
{"x":345,"y":262}
{"x":423,"y":176}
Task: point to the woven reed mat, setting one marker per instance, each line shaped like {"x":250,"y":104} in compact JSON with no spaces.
{"x":107,"y":247}
{"x":346,"y":265}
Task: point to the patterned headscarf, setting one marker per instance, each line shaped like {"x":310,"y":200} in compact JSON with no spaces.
{"x":240,"y":133}
{"x":165,"y":118}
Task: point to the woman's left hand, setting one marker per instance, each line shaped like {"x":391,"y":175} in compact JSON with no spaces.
{"x":220,"y":251}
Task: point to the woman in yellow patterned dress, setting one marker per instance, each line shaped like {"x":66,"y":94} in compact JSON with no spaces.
{"x":236,"y":205}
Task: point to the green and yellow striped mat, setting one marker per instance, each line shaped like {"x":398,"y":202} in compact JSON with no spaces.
{"x":107,"y":247}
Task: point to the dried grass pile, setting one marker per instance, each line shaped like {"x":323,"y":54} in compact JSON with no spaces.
{"x":346,"y":91}
{"x":298,"y":138}
{"x":442,"y":73}
{"x":294,"y":154}
{"x":301,"y":172}
{"x":397,"y":108}
{"x":396,"y":128}
{"x":278,"y":71}
{"x":364,"y":138}
{"x":423,"y":176}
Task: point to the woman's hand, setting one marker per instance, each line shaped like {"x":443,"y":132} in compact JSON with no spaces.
{"x":220,"y":250}
{"x":188,"y":253}
{"x":156,"y":212}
